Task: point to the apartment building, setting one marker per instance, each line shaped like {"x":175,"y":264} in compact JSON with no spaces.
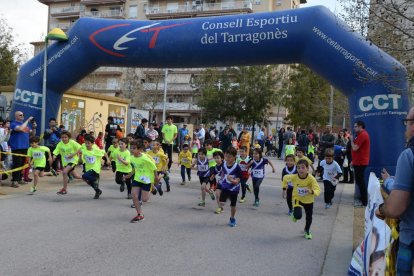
{"x":181,"y":100}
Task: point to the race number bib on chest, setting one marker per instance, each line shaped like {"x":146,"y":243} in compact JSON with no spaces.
{"x":156,"y":159}
{"x":69,"y":159}
{"x":203,"y":168}
{"x":184,"y":160}
{"x":90,"y":159}
{"x":302,"y":191}
{"x":38,"y":155}
{"x":258,"y":173}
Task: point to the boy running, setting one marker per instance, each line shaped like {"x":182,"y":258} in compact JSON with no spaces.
{"x":216,"y":174}
{"x":300,"y":154}
{"x":305,"y":188}
{"x":185,"y":160}
{"x":122,"y":157}
{"x":203,"y":172}
{"x":145,"y":174}
{"x":290,"y":168}
{"x":331,"y":174}
{"x":243,"y":160}
{"x":37,"y":157}
{"x":161,"y":161}
{"x":111,"y":153}
{"x":211,"y":161}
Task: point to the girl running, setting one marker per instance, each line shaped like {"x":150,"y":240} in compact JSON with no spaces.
{"x":290,"y":168}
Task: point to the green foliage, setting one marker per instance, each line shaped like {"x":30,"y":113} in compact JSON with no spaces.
{"x":308,"y":98}
{"x":10,"y":55}
{"x":244,"y":94}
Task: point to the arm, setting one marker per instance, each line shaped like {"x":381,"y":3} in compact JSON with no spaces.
{"x":316,"y":190}
{"x":271,"y":165}
{"x":23,"y":126}
{"x":395,"y":205}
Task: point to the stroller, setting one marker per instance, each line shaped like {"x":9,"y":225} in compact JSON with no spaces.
{"x":271,"y":150}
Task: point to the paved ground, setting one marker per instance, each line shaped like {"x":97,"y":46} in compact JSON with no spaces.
{"x":47,"y":234}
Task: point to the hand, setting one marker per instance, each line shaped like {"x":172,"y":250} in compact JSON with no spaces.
{"x":378,"y":214}
{"x":284,"y":194}
{"x":273,"y":170}
{"x":34,"y":124}
{"x":384,"y":174}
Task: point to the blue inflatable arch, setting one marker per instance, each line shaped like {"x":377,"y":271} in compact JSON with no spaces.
{"x":374,"y":82}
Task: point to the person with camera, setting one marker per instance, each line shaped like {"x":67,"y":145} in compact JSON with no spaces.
{"x":21,"y":130}
{"x":51,"y":138}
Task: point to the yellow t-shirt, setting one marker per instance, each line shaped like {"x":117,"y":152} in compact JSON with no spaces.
{"x":126,"y":156}
{"x":185,"y":158}
{"x":299,"y":184}
{"x":67,"y":149}
{"x":144,"y":168}
{"x":92,"y":158}
{"x":303,"y":158}
{"x":38,"y":156}
{"x":160,"y":159}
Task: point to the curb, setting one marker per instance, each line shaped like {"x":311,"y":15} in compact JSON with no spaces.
{"x":339,"y":253}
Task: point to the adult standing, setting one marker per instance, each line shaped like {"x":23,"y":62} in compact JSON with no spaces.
{"x":287,"y":135}
{"x":110,"y":132}
{"x":152,"y":133}
{"x":400,"y":202}
{"x":140,"y":131}
{"x":19,"y":143}
{"x":280,"y":142}
{"x":245,"y":139}
{"x":360,"y":159}
{"x":51,"y":138}
{"x":182,"y":132}
{"x":169,"y":134}
{"x":201,"y":134}
{"x":260,"y":137}
{"x":225,"y":137}
{"x":4,"y":137}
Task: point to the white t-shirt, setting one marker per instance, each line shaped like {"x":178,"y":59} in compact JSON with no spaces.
{"x":330,"y":170}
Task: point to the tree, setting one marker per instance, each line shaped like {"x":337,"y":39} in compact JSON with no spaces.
{"x":11,"y":55}
{"x":244,"y":94}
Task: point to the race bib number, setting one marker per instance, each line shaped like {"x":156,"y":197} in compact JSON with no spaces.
{"x":38,"y":155}
{"x":144,"y":179}
{"x":242,"y":167}
{"x":258,"y":173}
{"x":90,"y":159}
{"x":302,"y":191}
{"x":184,"y":160}
{"x":203,"y":168}
{"x":156,"y":159}
{"x":290,"y":184}
{"x":69,"y":159}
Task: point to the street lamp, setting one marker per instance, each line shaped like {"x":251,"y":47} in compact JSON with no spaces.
{"x":54,"y":34}
{"x":165,"y":94}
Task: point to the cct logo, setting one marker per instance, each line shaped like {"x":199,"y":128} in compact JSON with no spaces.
{"x":379,"y":102}
{"x":27,"y":96}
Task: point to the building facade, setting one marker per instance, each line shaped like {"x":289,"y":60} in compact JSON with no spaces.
{"x":146,"y":86}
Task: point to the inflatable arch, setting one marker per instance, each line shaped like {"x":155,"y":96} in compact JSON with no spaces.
{"x":374,"y":82}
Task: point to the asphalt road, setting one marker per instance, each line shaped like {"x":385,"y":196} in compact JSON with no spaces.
{"x":47,"y":234}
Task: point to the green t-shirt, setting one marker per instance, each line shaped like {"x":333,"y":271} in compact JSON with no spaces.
{"x":111,"y":149}
{"x":92,"y":159}
{"x":290,"y":149}
{"x":311,"y":149}
{"x":169,"y":131}
{"x":67,"y":149}
{"x":126,"y":156}
{"x":38,"y":156}
{"x":144,"y":168}
{"x":211,"y":161}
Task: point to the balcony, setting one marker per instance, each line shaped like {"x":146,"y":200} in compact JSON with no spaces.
{"x":108,"y":71}
{"x":199,"y":9}
{"x":174,"y":88}
{"x":46,"y":2}
{"x":67,"y":12}
{"x":175,"y":107}
{"x":119,"y":14}
{"x":102,"y":2}
{"x":64,"y":26}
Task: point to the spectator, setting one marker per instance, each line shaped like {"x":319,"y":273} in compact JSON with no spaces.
{"x":169,"y":134}
{"x":19,"y":143}
{"x":260,"y":137}
{"x":81,"y":137}
{"x":110,"y":132}
{"x":201,"y":134}
{"x":4,"y":137}
{"x":327,"y":141}
{"x":348,"y":171}
{"x":341,"y":140}
{"x":213,"y":133}
{"x":360,"y":159}
{"x":152,"y":134}
{"x":51,"y":138}
{"x":225,"y":138}
{"x":99,"y":140}
{"x":400,"y":202}
{"x":303,"y":140}
{"x":245,"y":140}
{"x":141,"y":129}
{"x":181,"y":134}
{"x":280,"y":142}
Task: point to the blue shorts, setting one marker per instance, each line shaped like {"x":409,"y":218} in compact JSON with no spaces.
{"x":143,"y":186}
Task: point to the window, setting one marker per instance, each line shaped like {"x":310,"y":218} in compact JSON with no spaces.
{"x":133,"y":12}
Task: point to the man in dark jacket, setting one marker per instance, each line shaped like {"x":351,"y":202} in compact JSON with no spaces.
{"x":140,"y":132}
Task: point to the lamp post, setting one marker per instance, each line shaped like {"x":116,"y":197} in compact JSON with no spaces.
{"x":54,"y":34}
{"x":165,"y":94}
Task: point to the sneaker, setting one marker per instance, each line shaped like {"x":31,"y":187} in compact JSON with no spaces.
{"x":211,"y":193}
{"x":358,"y":204}
{"x":129,"y":196}
{"x":290,"y":213}
{"x":132,"y":205}
{"x":160,"y":192}
{"x":232,"y":222}
{"x":21,"y":182}
{"x":33,"y":189}
{"x":308,"y":235}
{"x":14,"y":185}
{"x":256,"y":203}
{"x":62,"y":192}
{"x":202,"y":204}
{"x":242,"y":200}
{"x":327,"y":205}
{"x":248,"y":188}
{"x":154,"y":191}
{"x":97,"y":194}
{"x":168,"y":189}
{"x":122,"y":187}
{"x":292,"y":217}
{"x":53,"y":172}
{"x":218,"y":210}
{"x":189,"y":178}
{"x":137,"y":218}
{"x":183,"y":183}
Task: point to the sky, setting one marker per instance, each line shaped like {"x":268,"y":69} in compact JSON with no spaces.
{"x":28,"y":18}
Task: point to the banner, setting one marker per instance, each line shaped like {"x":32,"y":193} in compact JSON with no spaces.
{"x":369,"y":257}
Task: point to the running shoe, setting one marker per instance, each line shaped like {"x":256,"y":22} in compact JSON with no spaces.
{"x":53,"y":172}
{"x":256,"y":203}
{"x":308,"y":235}
{"x":168,"y":189}
{"x":154,"y":191}
{"x":62,"y":192}
{"x":14,"y":185}
{"x":202,"y":204}
{"x":219,"y":210}
{"x":211,"y":193}
{"x":33,"y":189}
{"x":292,"y":217}
{"x":290,"y":213}
{"x":122,"y":187}
{"x":97,"y":194}
{"x":242,"y":200}
{"x":189,"y":178}
{"x":132,"y":205}
{"x":137,"y":218}
{"x":159,"y":189}
{"x":232,"y":222}
{"x":129,"y":196}
{"x":183,"y":183}
{"x":248,"y":188}
{"x":327,"y":205}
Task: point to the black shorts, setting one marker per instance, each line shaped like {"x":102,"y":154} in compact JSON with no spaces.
{"x":73,"y":165}
{"x":225,"y":194}
{"x":204,"y":179}
{"x":40,"y":169}
{"x":143,"y":186}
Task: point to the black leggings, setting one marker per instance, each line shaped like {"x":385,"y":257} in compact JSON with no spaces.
{"x":297,"y":213}
{"x":256,"y":187}
{"x":184,"y":169}
{"x":243,"y":186}
{"x":360,"y":182}
{"x":329,"y":191}
{"x":119,"y":179}
{"x":168,"y":148}
{"x":18,"y":161}
{"x":289,"y":192}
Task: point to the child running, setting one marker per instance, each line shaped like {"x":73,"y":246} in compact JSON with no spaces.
{"x":195,"y":146}
{"x":290,"y":168}
{"x":37,"y":157}
{"x":111,"y":153}
{"x":161,"y":161}
{"x":68,"y":150}
{"x":216,"y":175}
{"x":92,"y":157}
{"x":145,"y":174}
{"x":211,"y":162}
{"x":203,"y":172}
{"x":300,"y":154}
{"x":331,"y":174}
{"x":122,"y":157}
{"x":305,"y":188}
{"x":185,"y":160}
{"x":230,"y":183}
{"x":257,"y":166}
{"x":243,"y":160}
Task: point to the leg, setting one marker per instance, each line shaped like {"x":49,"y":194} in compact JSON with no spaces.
{"x":289,"y":192}
{"x":327,"y":191}
{"x":203,"y":192}
{"x":243,"y":188}
{"x":233,"y":202}
{"x":308,"y":211}
{"x":18,"y":161}
{"x":119,"y":179}
{"x":170,"y":152}
{"x":256,"y":188}
{"x":297,"y":212}
{"x":36,"y":174}
{"x":135,"y":192}
{"x":188,"y":173}
{"x":360,"y":181}
{"x":65,"y":172}
{"x":183,"y":173}
{"x":129,"y":188}
{"x":345,"y":175}
{"x":405,"y":258}
{"x":218,"y":195}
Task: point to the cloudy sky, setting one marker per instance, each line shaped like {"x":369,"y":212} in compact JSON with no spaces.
{"x":28,"y":18}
